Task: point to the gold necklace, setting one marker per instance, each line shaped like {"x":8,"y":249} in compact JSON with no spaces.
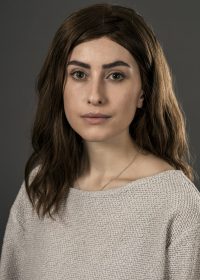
{"x":133,"y":159}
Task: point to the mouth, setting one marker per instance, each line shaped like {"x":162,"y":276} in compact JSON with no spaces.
{"x":95,"y":115}
{"x":96,"y":120}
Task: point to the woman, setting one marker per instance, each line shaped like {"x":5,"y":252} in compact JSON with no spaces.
{"x":108,"y":190}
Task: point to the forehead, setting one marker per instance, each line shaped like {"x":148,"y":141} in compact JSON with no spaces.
{"x":101,"y":50}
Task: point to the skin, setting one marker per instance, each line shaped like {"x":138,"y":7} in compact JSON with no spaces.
{"x":120,"y":91}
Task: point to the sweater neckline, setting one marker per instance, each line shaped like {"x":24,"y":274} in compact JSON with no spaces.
{"x":124,"y":187}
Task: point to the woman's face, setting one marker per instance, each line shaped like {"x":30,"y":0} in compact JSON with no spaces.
{"x":118,"y":88}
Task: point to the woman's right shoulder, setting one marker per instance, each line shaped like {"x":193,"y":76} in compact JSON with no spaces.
{"x":22,"y":206}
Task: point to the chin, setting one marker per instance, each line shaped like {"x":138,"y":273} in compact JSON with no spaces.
{"x":97,"y":138}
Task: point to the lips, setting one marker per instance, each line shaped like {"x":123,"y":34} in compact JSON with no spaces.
{"x":95,"y":115}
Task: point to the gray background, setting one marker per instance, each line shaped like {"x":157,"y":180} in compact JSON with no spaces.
{"x":27,"y":28}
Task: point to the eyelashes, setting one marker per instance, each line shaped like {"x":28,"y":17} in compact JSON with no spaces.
{"x":114,"y":74}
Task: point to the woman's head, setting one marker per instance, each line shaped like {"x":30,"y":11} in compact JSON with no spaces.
{"x":122,"y":25}
{"x":126,"y":29}
{"x":155,"y":117}
{"x":102,"y":77}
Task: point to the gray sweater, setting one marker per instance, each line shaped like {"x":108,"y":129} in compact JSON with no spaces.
{"x":146,"y":229}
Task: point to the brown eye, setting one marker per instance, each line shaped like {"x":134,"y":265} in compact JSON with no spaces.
{"x":116,"y":76}
{"x":78,"y":75}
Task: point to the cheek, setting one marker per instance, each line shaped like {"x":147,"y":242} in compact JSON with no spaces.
{"x":71,"y":96}
{"x":69,"y":105}
{"x":127,"y":107}
{"x":72,"y":109}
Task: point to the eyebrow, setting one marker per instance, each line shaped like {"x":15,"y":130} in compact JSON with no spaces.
{"x":104,"y":66}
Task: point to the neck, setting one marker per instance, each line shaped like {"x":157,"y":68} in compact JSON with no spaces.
{"x":108,"y":157}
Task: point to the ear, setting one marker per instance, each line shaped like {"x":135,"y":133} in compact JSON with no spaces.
{"x":140,"y":100}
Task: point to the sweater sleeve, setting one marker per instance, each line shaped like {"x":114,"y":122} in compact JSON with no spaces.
{"x":13,"y":250}
{"x":12,"y":255}
{"x":184,"y":256}
{"x":183,"y":252}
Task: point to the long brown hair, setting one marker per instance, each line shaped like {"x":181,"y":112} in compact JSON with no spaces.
{"x":59,"y":156}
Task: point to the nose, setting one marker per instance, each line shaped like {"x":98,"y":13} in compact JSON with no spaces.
{"x":96,"y":94}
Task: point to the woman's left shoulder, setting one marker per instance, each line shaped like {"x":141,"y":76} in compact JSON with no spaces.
{"x":154,"y":163}
{"x":175,"y":179}
{"x":150,"y":165}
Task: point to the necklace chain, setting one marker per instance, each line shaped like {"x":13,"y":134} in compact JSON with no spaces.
{"x":133,"y":159}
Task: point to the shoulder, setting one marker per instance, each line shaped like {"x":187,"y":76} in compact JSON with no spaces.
{"x":182,"y":204}
{"x":21,"y":208}
{"x":178,"y":191}
{"x":149,"y":165}
{"x":177,"y":196}
{"x":155,"y":163}
{"x":174,"y":180}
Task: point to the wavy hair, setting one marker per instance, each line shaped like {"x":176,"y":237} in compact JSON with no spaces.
{"x":159,"y":126}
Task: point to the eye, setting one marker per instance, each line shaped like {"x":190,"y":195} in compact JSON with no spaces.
{"x":117,"y":74}
{"x":77,"y":77}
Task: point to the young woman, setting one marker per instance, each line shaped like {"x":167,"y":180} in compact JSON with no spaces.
{"x":108,"y":190}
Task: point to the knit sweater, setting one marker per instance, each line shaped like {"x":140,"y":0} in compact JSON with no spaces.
{"x":148,"y":228}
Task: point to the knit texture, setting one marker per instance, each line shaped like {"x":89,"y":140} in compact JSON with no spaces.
{"x":146,"y":229}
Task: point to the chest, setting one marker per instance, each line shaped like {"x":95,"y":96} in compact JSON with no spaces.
{"x":113,"y":245}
